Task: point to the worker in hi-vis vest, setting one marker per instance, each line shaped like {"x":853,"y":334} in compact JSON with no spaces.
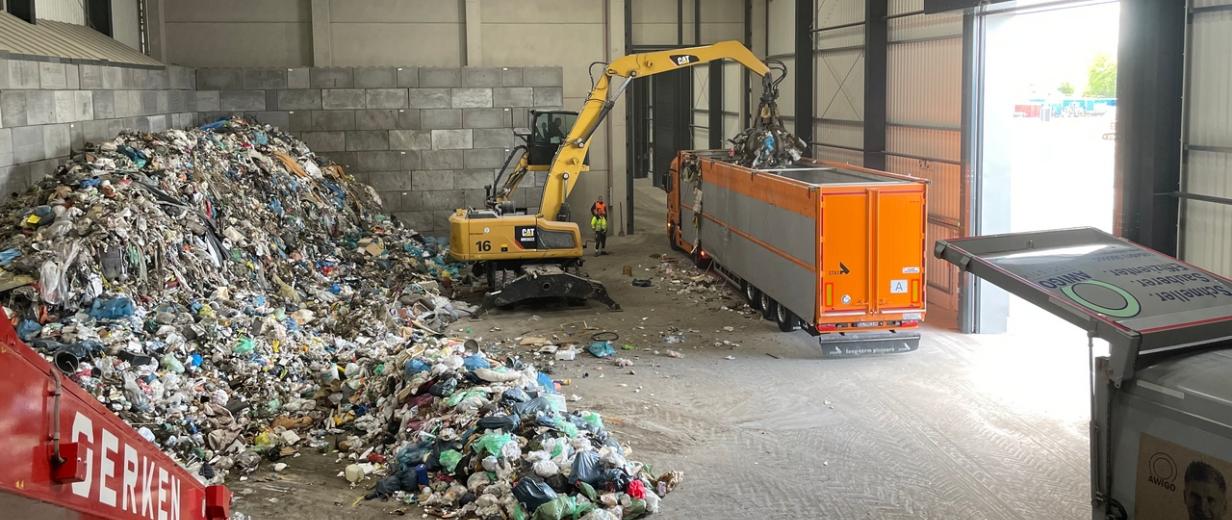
{"x":598,"y":222}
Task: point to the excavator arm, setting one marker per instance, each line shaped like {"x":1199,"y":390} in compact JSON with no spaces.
{"x":570,"y":159}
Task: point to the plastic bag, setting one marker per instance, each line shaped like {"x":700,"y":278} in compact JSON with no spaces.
{"x":562,"y":507}
{"x":493,"y":442}
{"x":567,"y":427}
{"x":508,"y":423}
{"x":636,"y":489}
{"x":532,"y":407}
{"x":416,"y":366}
{"x":586,"y":469}
{"x":545,"y":468}
{"x":533,"y":493}
{"x":475,"y":362}
{"x":450,"y":460}
{"x":593,"y":419}
{"x":601,"y":349}
{"x":112,"y":308}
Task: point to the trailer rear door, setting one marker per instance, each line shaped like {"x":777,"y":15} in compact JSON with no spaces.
{"x":872,"y":250}
{"x":845,"y":252}
{"x":899,"y":255}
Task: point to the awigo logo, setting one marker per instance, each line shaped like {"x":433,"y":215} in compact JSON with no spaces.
{"x":1163,"y":471}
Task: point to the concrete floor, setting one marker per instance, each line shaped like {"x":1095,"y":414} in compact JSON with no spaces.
{"x":967,"y":427}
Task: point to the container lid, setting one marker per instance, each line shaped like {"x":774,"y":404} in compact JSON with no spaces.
{"x":1141,"y":301}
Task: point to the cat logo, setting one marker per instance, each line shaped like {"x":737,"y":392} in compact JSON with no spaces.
{"x":683,"y":59}
{"x":526,"y":236}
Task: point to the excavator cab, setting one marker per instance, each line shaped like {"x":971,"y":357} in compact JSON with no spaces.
{"x":547,"y":130}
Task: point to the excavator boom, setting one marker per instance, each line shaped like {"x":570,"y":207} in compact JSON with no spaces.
{"x":569,"y":161}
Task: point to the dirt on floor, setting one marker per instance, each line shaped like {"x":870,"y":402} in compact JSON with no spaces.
{"x":763,"y":427}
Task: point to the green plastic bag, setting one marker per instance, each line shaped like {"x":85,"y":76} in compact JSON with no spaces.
{"x":462,"y":395}
{"x":567,"y":427}
{"x":245,"y":346}
{"x":493,"y":442}
{"x":593,"y":419}
{"x":562,"y":507}
{"x":450,"y":460}
{"x":636,"y":509}
{"x":587,"y":490}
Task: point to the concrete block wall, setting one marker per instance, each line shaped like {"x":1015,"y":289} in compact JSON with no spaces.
{"x":427,"y":138}
{"x":51,"y":107}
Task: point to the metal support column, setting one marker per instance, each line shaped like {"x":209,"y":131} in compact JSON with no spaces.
{"x":745,"y":87}
{"x":804,"y":73}
{"x":972,"y":89}
{"x":716,"y":105}
{"x":1150,"y":88}
{"x":876,"y":41}
{"x":631,"y":162}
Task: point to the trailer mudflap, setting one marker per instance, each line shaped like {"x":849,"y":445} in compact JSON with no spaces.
{"x":867,"y":343}
{"x":548,"y":282}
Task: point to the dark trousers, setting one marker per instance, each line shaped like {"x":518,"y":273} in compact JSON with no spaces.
{"x":600,"y":240}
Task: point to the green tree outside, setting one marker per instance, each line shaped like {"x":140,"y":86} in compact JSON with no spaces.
{"x":1101,"y":77}
{"x":1066,"y":88}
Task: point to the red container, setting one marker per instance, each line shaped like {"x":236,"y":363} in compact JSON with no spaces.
{"x":103,"y":470}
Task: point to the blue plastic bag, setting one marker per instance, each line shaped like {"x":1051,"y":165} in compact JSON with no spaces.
{"x":475,"y":362}
{"x":601,"y":349}
{"x":27,"y":329}
{"x":112,"y":308}
{"x":415,"y":366}
{"x":8,"y":255}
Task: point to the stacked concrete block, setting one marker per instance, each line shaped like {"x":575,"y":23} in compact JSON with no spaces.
{"x":427,"y":138}
{"x":50,"y":108}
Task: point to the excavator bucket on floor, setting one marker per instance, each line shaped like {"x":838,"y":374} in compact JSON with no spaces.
{"x":548,"y":281}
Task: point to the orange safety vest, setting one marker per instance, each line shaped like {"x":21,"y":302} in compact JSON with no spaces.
{"x":599,"y":209}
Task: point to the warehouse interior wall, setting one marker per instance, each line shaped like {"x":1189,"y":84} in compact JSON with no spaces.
{"x":237,"y":33}
{"x":839,"y":81}
{"x":51,"y":108}
{"x":124,"y":26}
{"x":1206,"y":175}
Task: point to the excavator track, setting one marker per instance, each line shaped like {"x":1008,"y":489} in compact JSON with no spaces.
{"x":547,"y":281}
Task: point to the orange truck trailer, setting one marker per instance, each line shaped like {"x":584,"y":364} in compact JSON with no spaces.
{"x":832,"y":248}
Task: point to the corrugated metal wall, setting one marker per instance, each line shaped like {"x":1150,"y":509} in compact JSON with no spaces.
{"x":923,"y":116}
{"x":839,"y":83}
{"x":1206,"y":227}
{"x":67,"y":11}
{"x":781,"y":40}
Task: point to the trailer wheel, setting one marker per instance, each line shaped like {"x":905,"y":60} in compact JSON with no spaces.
{"x":671,"y":239}
{"x":753,"y":295}
{"x":786,"y":319}
{"x":768,"y":307}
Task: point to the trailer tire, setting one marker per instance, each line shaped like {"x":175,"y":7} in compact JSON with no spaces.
{"x":753,"y":295}
{"x":787,"y":320}
{"x":671,"y":239}
{"x":768,"y":307}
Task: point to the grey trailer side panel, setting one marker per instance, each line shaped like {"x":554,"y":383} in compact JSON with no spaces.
{"x":790,"y":284}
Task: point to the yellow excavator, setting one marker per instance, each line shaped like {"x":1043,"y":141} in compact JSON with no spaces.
{"x":527,"y":256}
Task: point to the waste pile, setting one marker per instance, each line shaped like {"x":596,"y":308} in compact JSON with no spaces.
{"x":488,"y":438}
{"x":238,"y":299}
